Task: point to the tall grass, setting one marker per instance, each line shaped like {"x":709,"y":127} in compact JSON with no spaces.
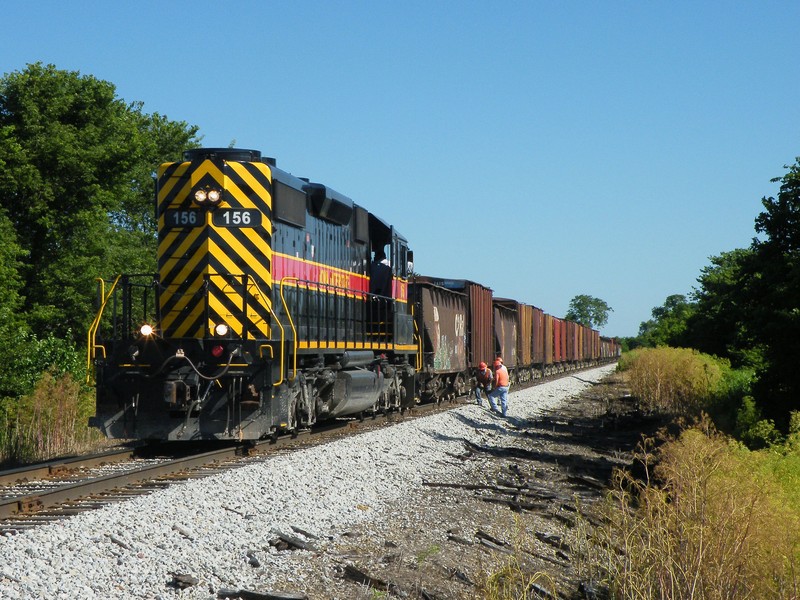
{"x":51,"y":421}
{"x":515,"y":578}
{"x":676,"y":381}
{"x":709,"y":521}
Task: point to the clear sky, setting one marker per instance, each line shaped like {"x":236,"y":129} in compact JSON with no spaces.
{"x":545,"y":149}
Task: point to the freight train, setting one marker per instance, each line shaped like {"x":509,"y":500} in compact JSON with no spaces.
{"x":279,"y":302}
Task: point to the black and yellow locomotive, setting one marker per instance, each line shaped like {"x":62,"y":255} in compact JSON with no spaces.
{"x":278,"y":302}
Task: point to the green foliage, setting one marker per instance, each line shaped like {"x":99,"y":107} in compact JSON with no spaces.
{"x":589,"y":311}
{"x":734,"y":387}
{"x":773,"y":293}
{"x":747,"y":309}
{"x":25,"y":357}
{"x":76,"y":203}
{"x":720,"y":324}
{"x":11,"y":257}
{"x":751,"y":429}
{"x":668,"y":325}
{"x":48,"y":422}
{"x":76,"y":162}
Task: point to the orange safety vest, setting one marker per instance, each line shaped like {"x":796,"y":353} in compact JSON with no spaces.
{"x":501,"y":377}
{"x":484,"y":377}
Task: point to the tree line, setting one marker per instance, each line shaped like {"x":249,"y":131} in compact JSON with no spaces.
{"x":746,"y":307}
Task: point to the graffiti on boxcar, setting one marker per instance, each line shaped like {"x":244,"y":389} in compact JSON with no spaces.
{"x":449,"y":340}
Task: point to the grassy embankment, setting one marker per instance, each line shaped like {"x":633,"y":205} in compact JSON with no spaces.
{"x":705,"y":516}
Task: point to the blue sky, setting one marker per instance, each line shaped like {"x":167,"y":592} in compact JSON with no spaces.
{"x":545,"y":149}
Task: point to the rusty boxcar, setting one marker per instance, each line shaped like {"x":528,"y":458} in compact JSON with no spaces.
{"x":505,"y":333}
{"x":441,"y":318}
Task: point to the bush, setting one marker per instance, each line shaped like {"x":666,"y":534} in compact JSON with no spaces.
{"x":734,"y":387}
{"x":43,"y":405}
{"x":49,"y":422}
{"x":752,"y":430}
{"x":710,"y":521}
{"x":674,"y":381}
{"x":26,"y":357}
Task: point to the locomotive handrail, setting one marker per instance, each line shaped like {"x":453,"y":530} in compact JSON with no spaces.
{"x":91,"y":346}
{"x":294,"y":329}
{"x":419,"y":354}
{"x":283,"y":332}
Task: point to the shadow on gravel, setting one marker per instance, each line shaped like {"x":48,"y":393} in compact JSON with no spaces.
{"x":587,"y":437}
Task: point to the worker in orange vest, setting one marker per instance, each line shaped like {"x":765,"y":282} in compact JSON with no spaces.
{"x":484,"y":379}
{"x":500,"y":387}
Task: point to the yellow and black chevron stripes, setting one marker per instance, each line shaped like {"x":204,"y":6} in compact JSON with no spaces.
{"x":209,"y":273}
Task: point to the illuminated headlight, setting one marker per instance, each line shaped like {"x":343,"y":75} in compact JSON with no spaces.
{"x":221,"y":329}
{"x":206,"y":196}
{"x":146,"y":330}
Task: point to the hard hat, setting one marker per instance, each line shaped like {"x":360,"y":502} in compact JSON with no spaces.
{"x":482,"y":365}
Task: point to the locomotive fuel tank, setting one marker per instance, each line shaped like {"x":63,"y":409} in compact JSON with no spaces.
{"x":355,"y":391}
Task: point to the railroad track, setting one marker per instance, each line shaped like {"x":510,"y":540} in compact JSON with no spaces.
{"x":33,"y":495}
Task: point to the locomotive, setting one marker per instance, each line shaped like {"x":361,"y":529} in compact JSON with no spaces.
{"x":279,"y":302}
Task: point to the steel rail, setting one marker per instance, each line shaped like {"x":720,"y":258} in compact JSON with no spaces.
{"x":36,"y":502}
{"x":57,"y":466}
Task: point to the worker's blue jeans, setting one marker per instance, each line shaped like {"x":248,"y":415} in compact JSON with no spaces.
{"x":502,"y":394}
{"x":478,"y":397}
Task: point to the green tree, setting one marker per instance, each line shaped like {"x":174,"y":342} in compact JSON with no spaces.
{"x":588,"y":310}
{"x":721,"y":321}
{"x":75,"y":164}
{"x":12,"y":325}
{"x":668,"y":325}
{"x":774,"y":298}
{"x":11,"y":257}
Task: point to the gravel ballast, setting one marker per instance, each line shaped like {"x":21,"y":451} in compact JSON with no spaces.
{"x":218,"y":529}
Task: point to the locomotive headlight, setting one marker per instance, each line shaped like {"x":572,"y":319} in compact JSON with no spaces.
{"x":146,"y":330}
{"x":221,"y":329}
{"x":200,"y":196}
{"x":214,"y":196}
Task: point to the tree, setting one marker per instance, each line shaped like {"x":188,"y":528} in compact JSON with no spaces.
{"x":11,"y":257}
{"x":721,"y":321}
{"x":75,"y":164}
{"x":12,"y":325}
{"x":588,"y":310}
{"x":668,"y":325}
{"x":773,"y":296}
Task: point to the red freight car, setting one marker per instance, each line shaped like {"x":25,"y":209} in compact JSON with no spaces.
{"x":530,"y":341}
{"x":538,"y":335}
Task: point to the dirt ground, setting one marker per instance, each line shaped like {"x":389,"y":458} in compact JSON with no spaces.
{"x":515,"y":509}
